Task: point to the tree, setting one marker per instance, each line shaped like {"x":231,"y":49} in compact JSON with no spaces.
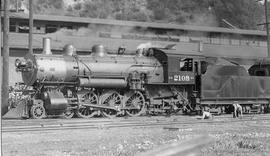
{"x":49,"y":7}
{"x":131,"y":10}
{"x":245,"y":14}
{"x":181,"y":11}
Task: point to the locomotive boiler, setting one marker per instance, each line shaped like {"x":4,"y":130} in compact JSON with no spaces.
{"x":108,"y":84}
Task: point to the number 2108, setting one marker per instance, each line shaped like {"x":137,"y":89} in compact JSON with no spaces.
{"x":181,"y":78}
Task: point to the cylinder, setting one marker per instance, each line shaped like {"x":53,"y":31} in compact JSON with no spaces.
{"x":102,"y":83}
{"x":47,"y":46}
{"x":55,"y":102}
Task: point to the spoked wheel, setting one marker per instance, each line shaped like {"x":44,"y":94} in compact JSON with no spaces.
{"x":110,"y":99}
{"x":38,"y":112}
{"x":68,"y":114}
{"x":135,"y":104}
{"x":86,"y":111}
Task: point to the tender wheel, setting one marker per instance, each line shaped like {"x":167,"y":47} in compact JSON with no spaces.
{"x":110,"y":99}
{"x":85,"y":111}
{"x":68,"y":114}
{"x":135,"y":104}
{"x":38,"y":112}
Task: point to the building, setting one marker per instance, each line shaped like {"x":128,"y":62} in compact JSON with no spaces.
{"x":83,"y":33}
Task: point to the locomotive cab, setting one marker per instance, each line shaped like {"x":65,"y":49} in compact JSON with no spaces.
{"x":182,"y":74}
{"x":179,"y":69}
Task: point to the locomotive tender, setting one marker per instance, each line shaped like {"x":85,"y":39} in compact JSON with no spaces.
{"x":155,"y":80}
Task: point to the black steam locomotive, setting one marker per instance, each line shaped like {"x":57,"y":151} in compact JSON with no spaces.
{"x":154,"y":80}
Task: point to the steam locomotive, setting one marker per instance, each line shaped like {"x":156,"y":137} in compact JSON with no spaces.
{"x":154,"y":80}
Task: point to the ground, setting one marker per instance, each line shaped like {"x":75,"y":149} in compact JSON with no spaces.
{"x":241,"y":138}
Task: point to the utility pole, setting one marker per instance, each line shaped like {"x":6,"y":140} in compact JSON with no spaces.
{"x":267,"y":27}
{"x":1,"y":77}
{"x":5,"y":74}
{"x":2,"y":68}
{"x":31,"y":23}
{"x":17,"y":6}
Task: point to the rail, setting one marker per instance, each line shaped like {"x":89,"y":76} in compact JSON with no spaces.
{"x":41,"y":125}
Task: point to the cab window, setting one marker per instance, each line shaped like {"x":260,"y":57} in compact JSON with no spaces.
{"x":186,"y":64}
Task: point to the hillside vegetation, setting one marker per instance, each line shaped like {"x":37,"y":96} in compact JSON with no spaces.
{"x":245,"y":14}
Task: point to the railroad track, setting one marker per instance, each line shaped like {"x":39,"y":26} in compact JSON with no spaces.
{"x":42,"y":125}
{"x":19,"y":122}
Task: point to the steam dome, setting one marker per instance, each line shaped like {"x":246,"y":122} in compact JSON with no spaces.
{"x":99,"y":50}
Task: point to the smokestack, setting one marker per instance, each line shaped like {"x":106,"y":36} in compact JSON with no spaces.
{"x":47,"y":46}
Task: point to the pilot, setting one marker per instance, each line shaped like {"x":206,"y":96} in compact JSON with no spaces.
{"x":237,"y":110}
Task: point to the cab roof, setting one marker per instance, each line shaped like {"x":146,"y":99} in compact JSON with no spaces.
{"x":177,"y":53}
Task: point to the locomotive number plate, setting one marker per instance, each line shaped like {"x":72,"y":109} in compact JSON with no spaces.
{"x":181,"y":77}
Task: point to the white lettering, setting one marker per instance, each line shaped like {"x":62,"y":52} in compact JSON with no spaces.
{"x":175,"y":78}
{"x":187,"y":78}
{"x":182,"y":78}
